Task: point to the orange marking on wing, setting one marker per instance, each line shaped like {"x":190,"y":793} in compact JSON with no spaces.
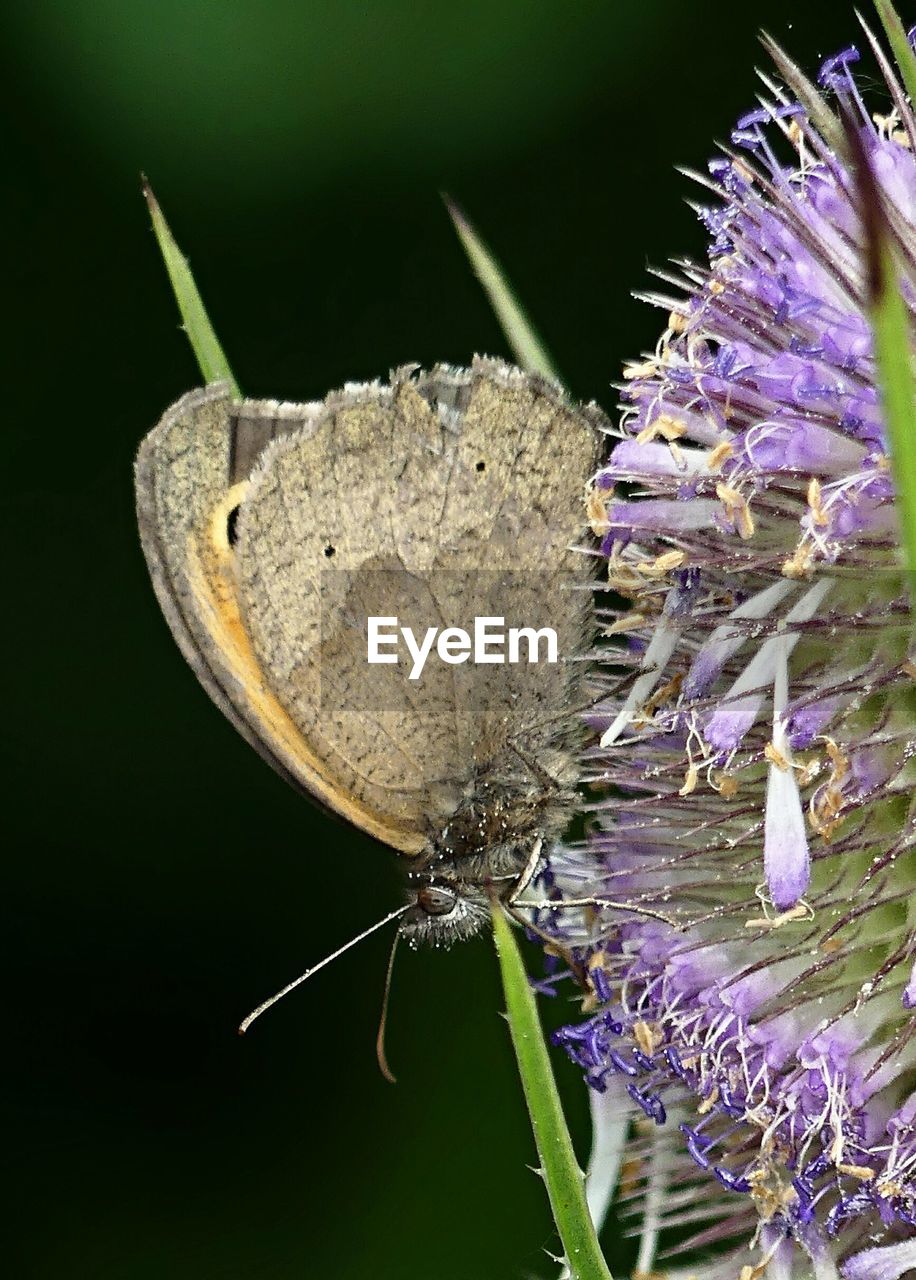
{"x":219,"y":607}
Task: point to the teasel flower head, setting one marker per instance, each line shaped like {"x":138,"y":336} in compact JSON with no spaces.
{"x":755,"y":774}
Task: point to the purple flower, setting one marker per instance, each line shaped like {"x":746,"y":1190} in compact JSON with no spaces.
{"x":755,"y":775}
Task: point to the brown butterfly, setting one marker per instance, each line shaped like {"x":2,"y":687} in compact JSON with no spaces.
{"x":274,"y":531}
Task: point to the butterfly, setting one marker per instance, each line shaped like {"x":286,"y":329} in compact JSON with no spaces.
{"x":273,"y":532}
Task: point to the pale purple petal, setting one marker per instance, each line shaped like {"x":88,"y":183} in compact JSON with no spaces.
{"x":891,"y":1262}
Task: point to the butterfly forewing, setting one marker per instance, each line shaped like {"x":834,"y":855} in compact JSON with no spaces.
{"x":274,"y":532}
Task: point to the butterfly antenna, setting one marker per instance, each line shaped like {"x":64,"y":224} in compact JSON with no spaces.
{"x":383,"y":1017}
{"x":262,"y":1008}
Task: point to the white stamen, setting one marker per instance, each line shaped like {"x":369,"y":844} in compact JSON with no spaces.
{"x":653,"y":663}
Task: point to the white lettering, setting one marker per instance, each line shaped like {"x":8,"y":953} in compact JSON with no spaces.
{"x":376,"y":638}
{"x":419,"y":653}
{"x":483,"y":640}
{"x":454,"y":645}
{"x":516,"y":634}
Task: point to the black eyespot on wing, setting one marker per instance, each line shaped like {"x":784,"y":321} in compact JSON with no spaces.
{"x":232,"y":526}
{"x":481,"y":466}
{"x":330,"y":551}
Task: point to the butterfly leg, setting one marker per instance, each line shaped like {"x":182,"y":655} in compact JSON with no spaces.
{"x":528,"y":871}
{"x":537,"y":770}
{"x":554,"y":944}
{"x":521,"y":884}
{"x":597,"y":904}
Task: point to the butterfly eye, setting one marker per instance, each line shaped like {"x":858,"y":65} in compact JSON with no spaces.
{"x":436,"y":902}
{"x":232,"y":526}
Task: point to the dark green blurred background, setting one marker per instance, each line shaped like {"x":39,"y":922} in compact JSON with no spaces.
{"x":159,"y":879}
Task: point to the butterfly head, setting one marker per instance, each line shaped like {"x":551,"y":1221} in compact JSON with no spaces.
{"x":443,"y":910}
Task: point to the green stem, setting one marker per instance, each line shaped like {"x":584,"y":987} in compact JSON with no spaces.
{"x":211,"y":358}
{"x":892,"y":342}
{"x":564,"y":1179}
{"x":518,"y":330}
{"x":890,"y":327}
{"x":906,"y":59}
